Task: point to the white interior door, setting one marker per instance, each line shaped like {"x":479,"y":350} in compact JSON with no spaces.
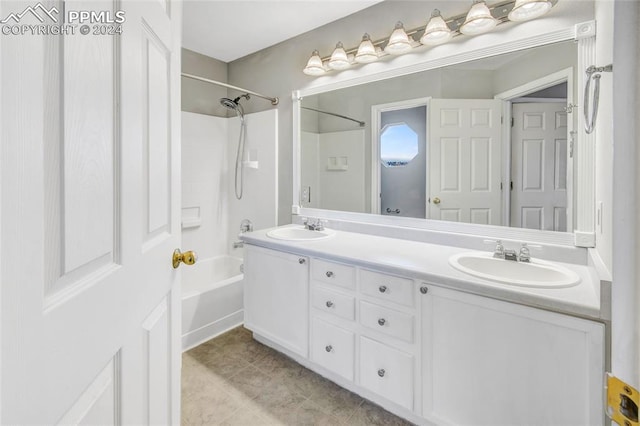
{"x":464,"y":161}
{"x":90,"y":216}
{"x":539,"y":166}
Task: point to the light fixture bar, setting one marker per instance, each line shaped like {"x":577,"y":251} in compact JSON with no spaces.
{"x":500,"y":11}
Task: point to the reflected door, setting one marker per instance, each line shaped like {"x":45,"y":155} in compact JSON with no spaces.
{"x":539,"y":166}
{"x":403,"y":162}
{"x":464,"y":166}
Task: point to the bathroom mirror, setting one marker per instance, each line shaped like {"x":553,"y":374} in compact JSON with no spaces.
{"x":485,"y":142}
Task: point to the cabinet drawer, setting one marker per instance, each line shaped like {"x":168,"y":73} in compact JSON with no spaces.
{"x":333,"y":348}
{"x":387,"y":372}
{"x":387,"y":287}
{"x":388,"y":321}
{"x":333,"y":273}
{"x":332,"y":302}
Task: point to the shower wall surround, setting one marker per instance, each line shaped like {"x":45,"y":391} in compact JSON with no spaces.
{"x":211,"y":214}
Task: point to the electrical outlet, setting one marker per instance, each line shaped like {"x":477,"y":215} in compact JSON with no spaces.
{"x":306,"y":194}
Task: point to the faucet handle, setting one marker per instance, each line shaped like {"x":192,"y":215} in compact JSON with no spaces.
{"x":525,"y":253}
{"x":498,"y":252}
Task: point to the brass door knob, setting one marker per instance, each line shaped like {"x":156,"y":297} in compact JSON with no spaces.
{"x":436,"y":200}
{"x":188,"y":258}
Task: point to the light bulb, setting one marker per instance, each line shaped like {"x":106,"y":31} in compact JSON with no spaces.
{"x":339,"y":59}
{"x":525,"y":10}
{"x":437,"y":31}
{"x":314,"y":65}
{"x":398,"y":41}
{"x":479,"y":19}
{"x":366,"y":51}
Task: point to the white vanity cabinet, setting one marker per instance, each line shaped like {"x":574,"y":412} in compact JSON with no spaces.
{"x":488,"y":362}
{"x":431,"y":354}
{"x":363,"y":329}
{"x":276,"y":293}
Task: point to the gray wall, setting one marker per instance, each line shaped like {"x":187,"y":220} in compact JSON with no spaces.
{"x":198,"y":96}
{"x":277,"y":70}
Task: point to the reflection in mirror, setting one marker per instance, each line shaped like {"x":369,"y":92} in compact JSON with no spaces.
{"x":482,"y":142}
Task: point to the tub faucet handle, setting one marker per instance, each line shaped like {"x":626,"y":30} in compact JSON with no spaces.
{"x":246,"y":226}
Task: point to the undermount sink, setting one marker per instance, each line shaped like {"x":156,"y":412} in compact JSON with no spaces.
{"x":537,"y":273}
{"x":299,"y":233}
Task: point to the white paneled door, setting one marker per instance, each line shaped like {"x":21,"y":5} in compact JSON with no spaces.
{"x":464,"y":161}
{"x":90,"y":217}
{"x":539,"y":166}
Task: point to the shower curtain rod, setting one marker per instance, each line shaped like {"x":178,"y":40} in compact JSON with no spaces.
{"x":361,"y":123}
{"x":274,"y":101}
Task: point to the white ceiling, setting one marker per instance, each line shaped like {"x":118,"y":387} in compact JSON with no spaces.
{"x":228,"y":30}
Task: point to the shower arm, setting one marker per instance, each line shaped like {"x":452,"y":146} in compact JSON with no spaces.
{"x":274,"y":101}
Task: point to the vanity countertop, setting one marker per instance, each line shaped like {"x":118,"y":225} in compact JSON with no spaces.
{"x":430,"y":263}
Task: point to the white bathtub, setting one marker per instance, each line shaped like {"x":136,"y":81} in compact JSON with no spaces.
{"x":212,"y":303}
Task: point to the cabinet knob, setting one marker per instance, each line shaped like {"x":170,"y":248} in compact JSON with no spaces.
{"x":382,"y":288}
{"x":329,"y":303}
{"x":382,"y":321}
{"x":328,"y":348}
{"x":381,"y":372}
{"x":329,"y":274}
{"x":302,"y":261}
{"x":424,"y":289}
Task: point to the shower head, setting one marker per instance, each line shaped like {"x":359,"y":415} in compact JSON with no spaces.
{"x":233,"y":104}
{"x":228,"y":103}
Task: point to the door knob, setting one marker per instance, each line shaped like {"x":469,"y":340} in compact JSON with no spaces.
{"x":436,"y":200}
{"x":188,"y":258}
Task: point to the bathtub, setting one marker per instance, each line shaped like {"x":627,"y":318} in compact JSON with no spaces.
{"x":212,"y":302}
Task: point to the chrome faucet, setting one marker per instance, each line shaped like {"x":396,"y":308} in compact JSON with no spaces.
{"x":498,"y":252}
{"x":525,"y":254}
{"x":238,"y":244}
{"x":315,"y":225}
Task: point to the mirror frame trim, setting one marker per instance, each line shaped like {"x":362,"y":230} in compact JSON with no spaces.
{"x":584,"y":227}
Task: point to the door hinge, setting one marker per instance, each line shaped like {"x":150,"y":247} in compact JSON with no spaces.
{"x":512,"y":121}
{"x":502,"y":119}
{"x":511,"y":185}
{"x":622,"y":401}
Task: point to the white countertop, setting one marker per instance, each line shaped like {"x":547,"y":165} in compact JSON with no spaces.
{"x":430,"y":263}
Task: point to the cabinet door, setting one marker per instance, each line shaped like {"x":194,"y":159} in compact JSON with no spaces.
{"x":487,"y":362}
{"x":276,"y":297}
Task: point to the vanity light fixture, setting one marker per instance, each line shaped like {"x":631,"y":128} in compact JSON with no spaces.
{"x":339,"y":59}
{"x":398,"y":41}
{"x":314,"y":65}
{"x":525,"y":10}
{"x":437,"y":31}
{"x":366,"y":51}
{"x":479,"y":19}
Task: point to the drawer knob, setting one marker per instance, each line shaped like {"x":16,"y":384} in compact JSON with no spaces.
{"x":382,"y":288}
{"x":302,"y":261}
{"x":382,"y":321}
{"x":329,"y":303}
{"x":424,"y":289}
{"x":329,"y":274}
{"x":381,"y":372}
{"x":328,"y":348}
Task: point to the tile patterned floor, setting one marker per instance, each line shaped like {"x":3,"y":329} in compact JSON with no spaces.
{"x":234,"y":380}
